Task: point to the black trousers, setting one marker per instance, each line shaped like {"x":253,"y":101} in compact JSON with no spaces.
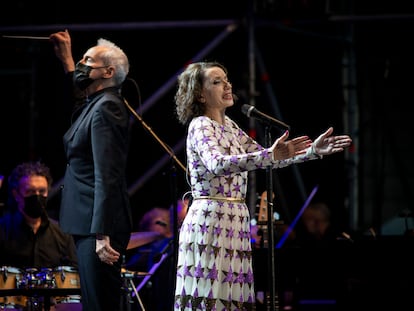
{"x":101,"y":284}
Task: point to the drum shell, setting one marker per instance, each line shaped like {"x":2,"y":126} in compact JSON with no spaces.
{"x":11,"y":278}
{"x":66,"y":277}
{"x":68,"y":303}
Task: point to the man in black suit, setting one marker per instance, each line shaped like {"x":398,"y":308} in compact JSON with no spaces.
{"x":95,"y":205}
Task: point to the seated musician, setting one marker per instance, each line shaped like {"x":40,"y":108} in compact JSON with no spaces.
{"x":31,"y":243}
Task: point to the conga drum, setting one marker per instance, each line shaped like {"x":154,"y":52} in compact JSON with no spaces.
{"x":11,"y":278}
{"x":67,"y":277}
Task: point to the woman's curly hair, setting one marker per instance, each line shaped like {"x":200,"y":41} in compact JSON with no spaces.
{"x":190,"y":85}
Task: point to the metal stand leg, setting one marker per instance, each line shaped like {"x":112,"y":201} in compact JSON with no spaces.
{"x":148,"y":275}
{"x":136,"y":294}
{"x":128,"y":288}
{"x":34,"y":304}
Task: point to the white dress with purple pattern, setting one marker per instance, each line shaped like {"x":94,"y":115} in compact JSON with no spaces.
{"x":214,"y":268}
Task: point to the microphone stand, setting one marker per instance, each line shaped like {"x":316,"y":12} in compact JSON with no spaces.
{"x":149,"y":129}
{"x":272,"y":301}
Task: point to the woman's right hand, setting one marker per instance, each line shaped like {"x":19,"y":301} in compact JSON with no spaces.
{"x":285,"y":149}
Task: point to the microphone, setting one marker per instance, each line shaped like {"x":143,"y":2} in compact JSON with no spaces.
{"x":251,"y":111}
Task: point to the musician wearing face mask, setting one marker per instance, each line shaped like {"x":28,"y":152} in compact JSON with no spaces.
{"x":32,"y":245}
{"x":28,"y":237}
{"x":95,"y":205}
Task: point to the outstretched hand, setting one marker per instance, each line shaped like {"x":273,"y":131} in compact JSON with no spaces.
{"x":285,"y":149}
{"x":326,"y":144}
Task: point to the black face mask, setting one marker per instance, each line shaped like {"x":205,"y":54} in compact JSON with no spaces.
{"x":34,"y":205}
{"x":81,"y":76}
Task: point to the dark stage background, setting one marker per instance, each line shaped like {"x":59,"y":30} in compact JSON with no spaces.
{"x":299,"y":76}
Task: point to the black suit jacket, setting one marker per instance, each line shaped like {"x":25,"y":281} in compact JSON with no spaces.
{"x":94,"y":191}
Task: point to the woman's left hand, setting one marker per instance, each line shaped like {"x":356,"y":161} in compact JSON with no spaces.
{"x":326,"y":144}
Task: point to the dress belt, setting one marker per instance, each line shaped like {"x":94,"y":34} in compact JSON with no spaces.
{"x":226,"y":199}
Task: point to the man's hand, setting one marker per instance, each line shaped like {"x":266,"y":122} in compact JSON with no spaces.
{"x":104,"y":250}
{"x":63,"y":49}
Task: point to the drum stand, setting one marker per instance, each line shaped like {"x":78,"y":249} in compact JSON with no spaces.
{"x":38,"y":303}
{"x":130,"y":286}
